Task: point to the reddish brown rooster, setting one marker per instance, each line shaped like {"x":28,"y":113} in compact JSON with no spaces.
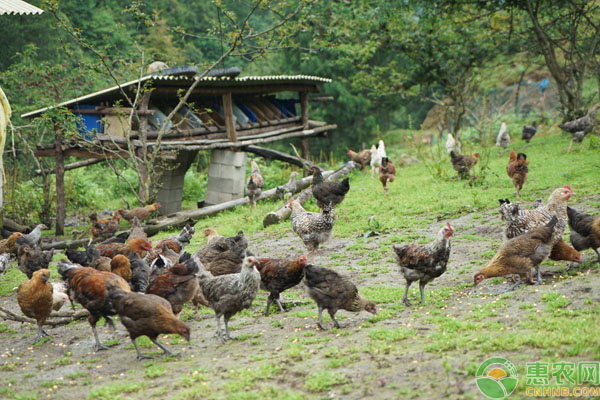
{"x":254,"y":184}
{"x":517,"y":170}
{"x":424,"y":262}
{"x":139,"y":246}
{"x":178,"y":285}
{"x":387,"y":173}
{"x":91,"y":288}
{"x":277,"y":275}
{"x":104,"y":228}
{"x":147,"y":315}
{"x":35,"y":299}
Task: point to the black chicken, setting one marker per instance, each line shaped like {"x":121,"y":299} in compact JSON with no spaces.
{"x":223,"y":255}
{"x":140,"y":273}
{"x":585,"y":231}
{"x":529,"y":131}
{"x":33,"y":259}
{"x":328,"y":194}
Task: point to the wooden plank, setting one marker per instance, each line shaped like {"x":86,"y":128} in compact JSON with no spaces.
{"x":271,"y":154}
{"x":75,"y":165}
{"x":59,"y":170}
{"x":229,"y":121}
{"x":305,"y":124}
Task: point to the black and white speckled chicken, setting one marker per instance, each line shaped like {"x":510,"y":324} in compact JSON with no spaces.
{"x":328,"y":193}
{"x":424,"y":262}
{"x":313,"y":228}
{"x":254,"y":184}
{"x":580,"y":127}
{"x":286,"y":191}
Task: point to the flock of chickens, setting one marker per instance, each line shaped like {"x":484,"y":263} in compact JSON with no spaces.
{"x":147,"y":286}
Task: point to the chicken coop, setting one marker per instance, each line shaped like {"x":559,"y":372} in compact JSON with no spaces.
{"x":227,"y":115}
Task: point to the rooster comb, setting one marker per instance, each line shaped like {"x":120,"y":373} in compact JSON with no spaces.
{"x":568,"y":187}
{"x":449,"y":226}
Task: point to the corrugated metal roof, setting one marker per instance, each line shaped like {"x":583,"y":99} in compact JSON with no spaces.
{"x":18,"y":7}
{"x":184,"y":81}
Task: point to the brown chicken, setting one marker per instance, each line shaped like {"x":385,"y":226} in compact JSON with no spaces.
{"x":363,"y":158}
{"x":139,"y":246}
{"x":121,"y":266}
{"x":424,"y":262}
{"x":147,"y":315}
{"x":517,"y":170}
{"x":229,"y":294}
{"x":333,"y":292}
{"x":10,"y":245}
{"x":211,"y":235}
{"x":35,"y":299}
{"x":140,"y":212}
{"x":313,"y":228}
{"x":585,"y":230}
{"x":175,"y":243}
{"x":177,"y":285}
{"x":91,"y":288}
{"x":104,"y":228}
{"x":563,"y":252}
{"x":520,"y":254}
{"x":463,"y":163}
{"x":254,"y":184}
{"x":387,"y":173}
{"x":327,"y":193}
{"x":224,"y":255}
{"x":31,"y":260}
{"x":277,"y":275}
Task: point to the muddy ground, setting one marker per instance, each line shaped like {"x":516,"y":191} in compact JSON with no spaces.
{"x":398,"y":354}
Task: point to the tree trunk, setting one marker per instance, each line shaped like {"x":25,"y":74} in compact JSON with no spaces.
{"x":60,"y":185}
{"x":46,"y":214}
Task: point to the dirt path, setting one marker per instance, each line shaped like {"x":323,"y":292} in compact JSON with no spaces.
{"x":425,"y":352}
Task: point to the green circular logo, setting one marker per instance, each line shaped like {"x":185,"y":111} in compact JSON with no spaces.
{"x":496,"y":378}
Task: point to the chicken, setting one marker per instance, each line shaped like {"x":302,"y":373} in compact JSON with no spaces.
{"x":503,"y":138}
{"x":31,"y":260}
{"x":4,"y":263}
{"x":517,"y":170}
{"x":328,"y":194}
{"x":581,"y":126}
{"x":140,"y":273}
{"x":585,"y":230}
{"x":139,"y":246}
{"x":277,"y":275}
{"x":165,"y":260}
{"x":59,"y":295}
{"x":229,"y":294}
{"x":363,"y":158}
{"x":211,"y":235}
{"x":452,"y":144}
{"x":387,"y":173}
{"x":333,"y":292}
{"x":140,"y":212}
{"x":519,"y":221}
{"x":377,"y":154}
{"x":286,"y":191}
{"x":254,"y":184}
{"x":463,"y":163}
{"x":121,"y":266}
{"x":33,"y":238}
{"x":313,"y":228}
{"x":35,"y":299}
{"x":104,"y":228}
{"x":223,"y":255}
{"x":10,"y":245}
{"x":424,"y":262}
{"x":175,"y":243}
{"x":136,"y":230}
{"x":518,"y":255}
{"x":147,"y":315}
{"x":90,"y":288}
{"x":178,"y":285}
{"x":529,"y":131}
{"x":85,"y":257}
{"x":563,"y":252}
{"x":120,"y":238}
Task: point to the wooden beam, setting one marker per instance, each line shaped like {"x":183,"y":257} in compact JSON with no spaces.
{"x":305,"y":124}
{"x":79,"y":153}
{"x":229,"y":121}
{"x":271,"y":154}
{"x":256,"y":89}
{"x":110,"y":111}
{"x":59,"y":170}
{"x":75,"y":165}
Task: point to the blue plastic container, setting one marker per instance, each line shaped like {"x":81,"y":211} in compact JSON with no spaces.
{"x":88,"y":122}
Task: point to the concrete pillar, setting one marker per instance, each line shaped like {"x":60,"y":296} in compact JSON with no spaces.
{"x":170,"y":193}
{"x":226,"y":176}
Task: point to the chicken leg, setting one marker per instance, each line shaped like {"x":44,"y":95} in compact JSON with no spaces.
{"x":219,"y":332}
{"x":335,"y":321}
{"x":320,"y":321}
{"x":140,"y":356}
{"x":99,"y":345}
{"x":163,"y":348}
{"x":226,"y":319}
{"x":422,"y":289}
{"x":405,"y":299}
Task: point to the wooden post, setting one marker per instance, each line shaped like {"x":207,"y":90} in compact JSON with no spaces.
{"x":229,"y":122}
{"x":304,"y":111}
{"x":59,"y":171}
{"x":142,"y":152}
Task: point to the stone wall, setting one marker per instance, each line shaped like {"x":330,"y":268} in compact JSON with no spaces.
{"x":226,"y":176}
{"x":170,"y":193}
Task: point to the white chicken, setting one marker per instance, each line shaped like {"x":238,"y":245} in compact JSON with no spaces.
{"x":452,"y":145}
{"x":377,"y":154}
{"x":503,"y":139}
